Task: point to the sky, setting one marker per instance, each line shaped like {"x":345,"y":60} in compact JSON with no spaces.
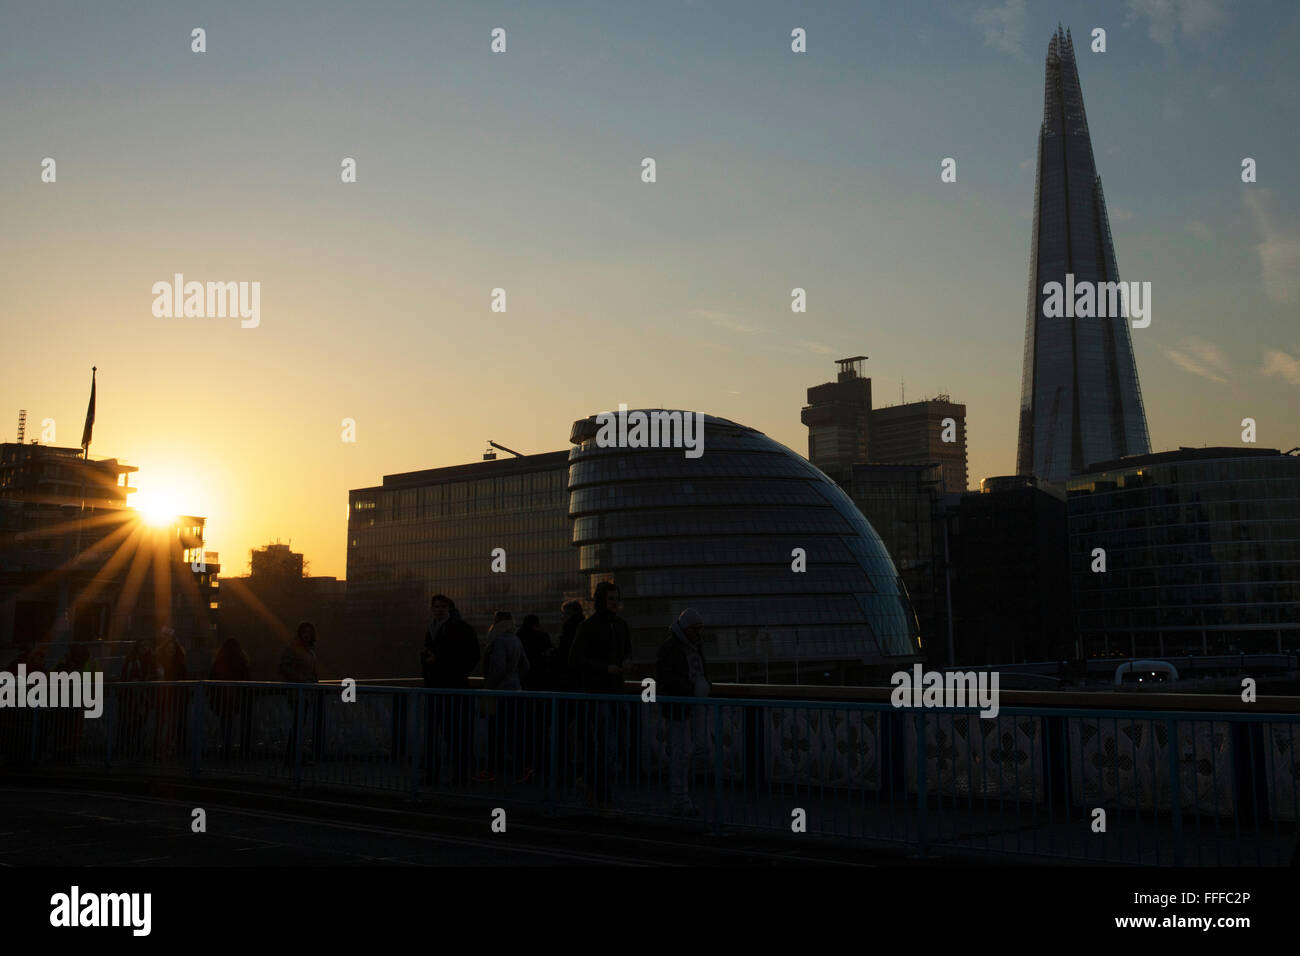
{"x":522,"y":171}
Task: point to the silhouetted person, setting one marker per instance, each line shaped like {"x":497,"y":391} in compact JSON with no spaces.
{"x":537,"y":645}
{"x":535,"y":713}
{"x":298,"y":666}
{"x":139,"y":665}
{"x":680,"y":672}
{"x":77,"y":661}
{"x":600,"y":648}
{"x":569,"y":735}
{"x":233,"y":703}
{"x":505,"y":665}
{"x":173,"y":702}
{"x":561,"y":672}
{"x":450,"y":652}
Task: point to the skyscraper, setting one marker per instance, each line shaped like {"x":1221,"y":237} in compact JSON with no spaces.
{"x":1079,"y":400}
{"x":844,"y":430}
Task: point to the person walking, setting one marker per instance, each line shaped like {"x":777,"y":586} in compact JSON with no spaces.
{"x":561,"y":673}
{"x":569,"y":734}
{"x":231,"y":703}
{"x":505,"y":666}
{"x":535,"y":712}
{"x":537,"y":645}
{"x":601,"y":648}
{"x":173,"y":702}
{"x":680,"y":672}
{"x":298,"y":666}
{"x":450,"y":652}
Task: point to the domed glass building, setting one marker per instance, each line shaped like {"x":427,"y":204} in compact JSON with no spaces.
{"x":723,"y":533}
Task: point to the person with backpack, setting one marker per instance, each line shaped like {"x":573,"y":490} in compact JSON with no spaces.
{"x":680,"y":672}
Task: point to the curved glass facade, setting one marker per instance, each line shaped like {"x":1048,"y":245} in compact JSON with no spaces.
{"x":717,"y":533}
{"x":1202,"y":553}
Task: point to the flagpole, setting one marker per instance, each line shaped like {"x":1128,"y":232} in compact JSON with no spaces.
{"x":86,"y":431}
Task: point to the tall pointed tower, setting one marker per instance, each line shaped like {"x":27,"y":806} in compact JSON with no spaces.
{"x":1079,"y":398}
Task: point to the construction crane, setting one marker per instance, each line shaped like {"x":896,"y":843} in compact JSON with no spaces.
{"x":492,"y":455}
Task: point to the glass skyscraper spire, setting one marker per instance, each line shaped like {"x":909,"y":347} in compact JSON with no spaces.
{"x":1079,"y":401}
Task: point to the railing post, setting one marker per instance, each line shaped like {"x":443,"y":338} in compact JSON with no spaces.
{"x":922,"y":788}
{"x":416,"y":739}
{"x":36,"y":734}
{"x":110,"y":715}
{"x":297,"y":738}
{"x":198,"y":708}
{"x":718,"y":809}
{"x":553,"y":770}
{"x":1175,"y":789}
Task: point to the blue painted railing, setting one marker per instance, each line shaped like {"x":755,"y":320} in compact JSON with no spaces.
{"x":1105,"y":785}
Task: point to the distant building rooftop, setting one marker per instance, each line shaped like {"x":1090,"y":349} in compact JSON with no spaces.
{"x":1182,"y":454}
{"x":478,"y":469}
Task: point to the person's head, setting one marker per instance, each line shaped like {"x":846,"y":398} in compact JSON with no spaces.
{"x":531,"y":622}
{"x":572,"y":609}
{"x":442,"y":607}
{"x":166,"y":635}
{"x":307,"y":633}
{"x":502,"y":616}
{"x":606,"y":597}
{"x":691,"y":624}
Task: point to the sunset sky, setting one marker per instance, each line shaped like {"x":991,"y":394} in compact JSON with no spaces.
{"x":522,"y":170}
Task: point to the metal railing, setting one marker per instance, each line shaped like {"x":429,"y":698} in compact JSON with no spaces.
{"x":1077,"y":784}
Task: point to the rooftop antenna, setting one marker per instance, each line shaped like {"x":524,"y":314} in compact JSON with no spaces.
{"x":22,"y":424}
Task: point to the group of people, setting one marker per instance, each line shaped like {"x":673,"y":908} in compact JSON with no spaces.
{"x":591,"y":656}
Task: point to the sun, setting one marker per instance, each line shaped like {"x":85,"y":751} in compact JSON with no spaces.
{"x":157,"y":508}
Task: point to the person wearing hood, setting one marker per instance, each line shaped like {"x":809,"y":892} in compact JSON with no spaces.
{"x":505,"y":665}
{"x":680,"y":672}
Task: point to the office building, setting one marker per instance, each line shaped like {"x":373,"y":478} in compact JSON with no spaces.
{"x":1201,"y":551}
{"x":844,"y":430}
{"x":442,"y":530}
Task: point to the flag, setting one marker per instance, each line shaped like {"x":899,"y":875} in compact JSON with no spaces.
{"x":90,"y":416}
